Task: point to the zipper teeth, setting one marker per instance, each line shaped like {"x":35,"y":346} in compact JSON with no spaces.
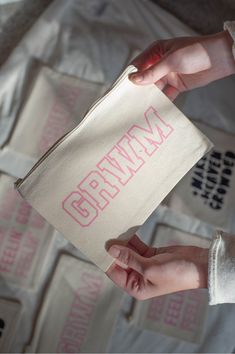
{"x":128,"y":70}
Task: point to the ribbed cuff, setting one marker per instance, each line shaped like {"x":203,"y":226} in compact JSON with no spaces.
{"x":221,"y":269}
{"x":212,"y":268}
{"x":230,"y":27}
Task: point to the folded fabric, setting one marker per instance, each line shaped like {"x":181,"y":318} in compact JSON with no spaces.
{"x":103,"y":179}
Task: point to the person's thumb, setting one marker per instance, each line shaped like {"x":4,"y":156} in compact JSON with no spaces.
{"x":127,"y":258}
{"x":152,"y":74}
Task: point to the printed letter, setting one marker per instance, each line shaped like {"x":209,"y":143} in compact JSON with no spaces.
{"x":80,"y":209}
{"x":121,"y":162}
{"x":98,"y":188}
{"x":153,"y":133}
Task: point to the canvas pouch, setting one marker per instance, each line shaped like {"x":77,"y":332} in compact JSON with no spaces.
{"x":103,"y":179}
{"x":208,"y":189}
{"x":78,"y":311}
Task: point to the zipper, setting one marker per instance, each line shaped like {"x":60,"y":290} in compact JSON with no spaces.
{"x":129,"y":69}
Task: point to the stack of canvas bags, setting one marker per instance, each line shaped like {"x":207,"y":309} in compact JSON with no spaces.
{"x":25,"y":238}
{"x":208,"y":190}
{"x":182,"y":314}
{"x":56,"y":104}
{"x":28,"y":244}
{"x":78,"y":311}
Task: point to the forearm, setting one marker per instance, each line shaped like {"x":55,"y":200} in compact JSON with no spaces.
{"x":223,"y":58}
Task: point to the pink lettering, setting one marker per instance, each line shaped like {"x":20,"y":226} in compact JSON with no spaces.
{"x":27,"y":253}
{"x":98,"y":188}
{"x":80,"y":209}
{"x":23,"y":213}
{"x":156,"y":308}
{"x":59,"y":120}
{"x":116,"y":169}
{"x":79,"y":318}
{"x":174,"y":309}
{"x":122,"y":161}
{"x":10,"y":250}
{"x":189,"y":320}
{"x":152,"y":135}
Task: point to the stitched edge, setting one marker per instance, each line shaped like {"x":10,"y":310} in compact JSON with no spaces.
{"x":212,"y":263}
{"x":230,"y":27}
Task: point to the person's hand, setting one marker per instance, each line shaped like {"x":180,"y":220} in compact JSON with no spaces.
{"x":145,"y":272}
{"x":184,"y":63}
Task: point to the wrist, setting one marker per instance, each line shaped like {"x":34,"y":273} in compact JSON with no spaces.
{"x":199,"y":273}
{"x":196,"y":268}
{"x":202,"y":265}
{"x":225,"y":52}
{"x":219,"y":49}
{"x":228,"y":38}
{"x":229,"y":27}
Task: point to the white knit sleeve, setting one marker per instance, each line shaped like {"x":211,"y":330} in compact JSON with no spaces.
{"x":230,"y":27}
{"x":221,"y":269}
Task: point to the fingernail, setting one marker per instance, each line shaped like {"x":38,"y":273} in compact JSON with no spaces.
{"x":114,"y":251}
{"x":137,"y":77}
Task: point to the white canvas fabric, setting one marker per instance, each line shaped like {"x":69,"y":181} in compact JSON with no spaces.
{"x":78,"y":311}
{"x":89,"y":185}
{"x":9,"y":317}
{"x":25,"y":238}
{"x":55,"y":105}
{"x":208,"y":189}
{"x":182,"y":314}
